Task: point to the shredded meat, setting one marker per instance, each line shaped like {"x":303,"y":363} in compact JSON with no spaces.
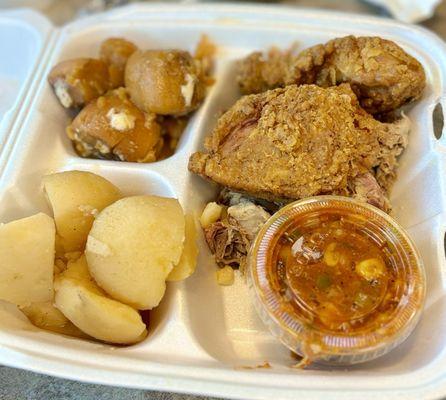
{"x":248,"y":217}
{"x":231,"y":239}
{"x":393,"y":140}
{"x":365,"y":188}
{"x":228,"y":243}
{"x":230,"y":198}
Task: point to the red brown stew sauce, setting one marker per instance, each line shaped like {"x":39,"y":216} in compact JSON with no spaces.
{"x":339,"y":275}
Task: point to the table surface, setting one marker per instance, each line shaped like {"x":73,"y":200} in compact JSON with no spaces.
{"x":17,"y":384}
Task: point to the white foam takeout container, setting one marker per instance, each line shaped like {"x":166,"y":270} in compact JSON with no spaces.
{"x":202,"y":334}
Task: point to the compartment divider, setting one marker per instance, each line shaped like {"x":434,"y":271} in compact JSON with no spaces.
{"x":27,"y":101}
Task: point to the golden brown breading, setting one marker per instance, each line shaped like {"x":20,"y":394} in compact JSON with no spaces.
{"x":291,"y":143}
{"x":382,"y":74}
{"x":257,"y":74}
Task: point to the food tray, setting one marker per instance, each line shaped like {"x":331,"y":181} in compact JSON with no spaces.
{"x":202,"y":336}
{"x":29,"y":31}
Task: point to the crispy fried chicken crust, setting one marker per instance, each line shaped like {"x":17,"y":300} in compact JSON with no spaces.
{"x":293,"y":142}
{"x":382,"y":75}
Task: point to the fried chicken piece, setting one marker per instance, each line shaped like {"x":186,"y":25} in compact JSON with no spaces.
{"x":257,"y":74}
{"x":382,"y":75}
{"x":294,"y":142}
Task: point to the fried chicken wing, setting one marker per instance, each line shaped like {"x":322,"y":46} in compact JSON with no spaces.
{"x":298,"y":141}
{"x":382,"y":75}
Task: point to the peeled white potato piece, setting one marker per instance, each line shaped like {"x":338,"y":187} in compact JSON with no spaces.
{"x":132,"y":247}
{"x":46,"y":316}
{"x":225,"y":276}
{"x":211,"y":213}
{"x":76,"y":197}
{"x":188,"y":261}
{"x":27,"y":260}
{"x":87,"y":307}
{"x":11,"y":318}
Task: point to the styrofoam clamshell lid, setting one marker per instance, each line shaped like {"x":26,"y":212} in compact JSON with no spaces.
{"x":409,"y":10}
{"x":24,"y":34}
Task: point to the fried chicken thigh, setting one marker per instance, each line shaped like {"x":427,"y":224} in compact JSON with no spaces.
{"x":382,"y":75}
{"x":300,"y":141}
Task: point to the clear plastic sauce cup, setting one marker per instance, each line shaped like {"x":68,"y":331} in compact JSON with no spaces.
{"x":335,"y":280}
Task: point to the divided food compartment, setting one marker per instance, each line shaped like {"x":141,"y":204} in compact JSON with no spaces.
{"x":29,"y":31}
{"x":203,"y":335}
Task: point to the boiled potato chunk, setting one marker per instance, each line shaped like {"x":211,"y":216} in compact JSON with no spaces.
{"x":46,"y":316}
{"x":225,"y":276}
{"x":188,"y":260}
{"x":27,"y":260}
{"x":211,"y":213}
{"x":11,"y":318}
{"x":132,"y":247}
{"x":87,"y":307}
{"x":76,"y":197}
